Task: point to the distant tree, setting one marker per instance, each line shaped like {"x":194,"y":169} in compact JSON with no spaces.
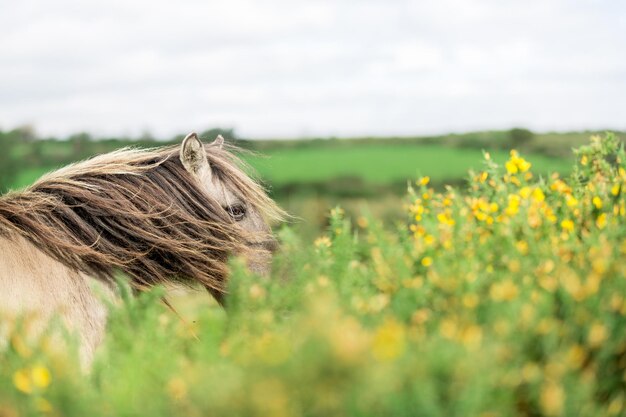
{"x":35,"y":156}
{"x":520,"y":137}
{"x":146,"y":136}
{"x":228,"y":134}
{"x":8,"y":160}
{"x":24,"y":134}
{"x":80,"y":144}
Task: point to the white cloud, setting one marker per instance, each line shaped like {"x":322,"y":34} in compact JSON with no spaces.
{"x":287,"y":68}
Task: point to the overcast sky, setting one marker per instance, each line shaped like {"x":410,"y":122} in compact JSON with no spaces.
{"x":288,"y":68}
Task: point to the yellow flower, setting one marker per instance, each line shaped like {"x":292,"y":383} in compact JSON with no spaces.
{"x":22,"y":381}
{"x":549,"y":213}
{"x":470,"y":300}
{"x":517,"y":164}
{"x":471,"y":336}
{"x":552,"y":399}
{"x":504,"y":291}
{"x":420,"y":316}
{"x":523,"y":165}
{"x":448,"y":328}
{"x":568,"y":225}
{"x":418,"y":230}
{"x":615,"y":189}
{"x":560,"y":186}
{"x":522,"y":247}
{"x":445,"y":218}
{"x":389,"y":341}
{"x":323,"y":241}
{"x":601,"y":221}
{"x":584,"y":160}
{"x":177,"y":389}
{"x":481,"y":216}
{"x":511,"y":167}
{"x":362,"y":222}
{"x":538,"y":195}
{"x":337,"y":211}
{"x":597,"y":335}
{"x":525,"y":192}
{"x":41,"y":376}
{"x":597,"y":202}
{"x":424,"y":181}
{"x":427,"y":261}
{"x":26,"y":379}
{"x":429,"y":240}
{"x":576,"y":356}
{"x":514,"y":203}
{"x":570,"y":201}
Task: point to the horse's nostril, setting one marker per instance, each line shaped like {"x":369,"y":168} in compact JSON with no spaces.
{"x":272,"y":245}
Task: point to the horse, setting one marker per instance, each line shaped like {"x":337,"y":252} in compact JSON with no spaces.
{"x":165,"y":215}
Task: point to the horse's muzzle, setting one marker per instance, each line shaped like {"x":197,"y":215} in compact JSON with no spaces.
{"x":270,"y":245}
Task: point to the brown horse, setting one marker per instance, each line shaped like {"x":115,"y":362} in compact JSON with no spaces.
{"x":171,"y":214}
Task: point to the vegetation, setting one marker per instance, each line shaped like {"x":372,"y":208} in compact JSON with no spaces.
{"x":505,"y":298}
{"x":308,"y":177}
{"x":342,"y":168}
{"x":8,"y":161}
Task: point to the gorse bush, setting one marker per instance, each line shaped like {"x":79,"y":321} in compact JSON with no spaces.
{"x":506,"y":298}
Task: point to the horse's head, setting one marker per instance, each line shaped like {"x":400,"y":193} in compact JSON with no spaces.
{"x":243,"y":201}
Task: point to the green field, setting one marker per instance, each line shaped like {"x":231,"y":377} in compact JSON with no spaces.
{"x":503,"y":298}
{"x":374,"y":164}
{"x":382,"y":164}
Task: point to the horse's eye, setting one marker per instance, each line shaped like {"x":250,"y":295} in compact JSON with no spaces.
{"x":236,"y":211}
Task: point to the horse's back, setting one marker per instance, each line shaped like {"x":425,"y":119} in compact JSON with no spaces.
{"x":37,"y":288}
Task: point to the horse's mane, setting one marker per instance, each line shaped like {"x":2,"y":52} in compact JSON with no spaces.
{"x":138,"y":212}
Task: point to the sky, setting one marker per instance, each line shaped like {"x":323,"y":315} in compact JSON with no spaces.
{"x":292,"y":68}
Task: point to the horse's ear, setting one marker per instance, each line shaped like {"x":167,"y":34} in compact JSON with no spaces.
{"x":218,"y":142}
{"x":193,"y":155}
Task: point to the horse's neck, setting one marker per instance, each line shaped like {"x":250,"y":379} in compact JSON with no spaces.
{"x":37,"y":287}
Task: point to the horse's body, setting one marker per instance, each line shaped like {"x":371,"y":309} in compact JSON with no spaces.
{"x":37,"y":288}
{"x":157,"y":216}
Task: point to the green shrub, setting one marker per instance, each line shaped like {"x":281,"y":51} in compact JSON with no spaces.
{"x":8,"y":162}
